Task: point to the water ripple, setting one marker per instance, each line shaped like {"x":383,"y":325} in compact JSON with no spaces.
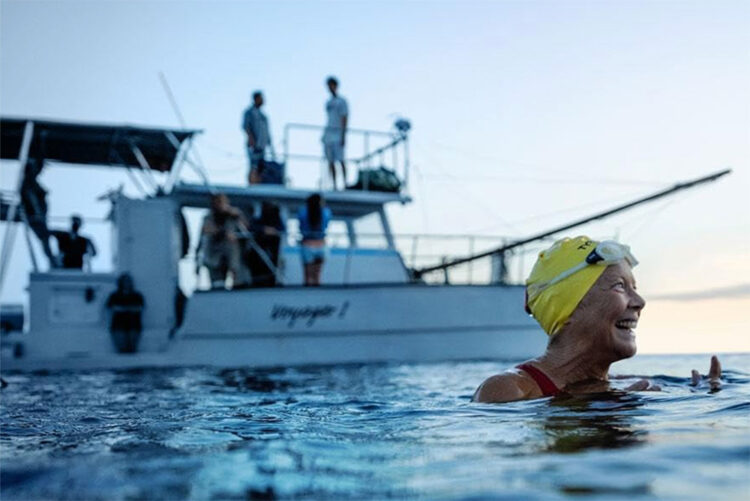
{"x":365,"y":432}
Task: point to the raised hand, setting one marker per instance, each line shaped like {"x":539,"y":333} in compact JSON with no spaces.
{"x":714,"y":375}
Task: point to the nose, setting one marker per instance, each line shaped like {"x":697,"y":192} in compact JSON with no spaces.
{"x":636,"y":301}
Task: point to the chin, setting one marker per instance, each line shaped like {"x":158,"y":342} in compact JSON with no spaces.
{"x":624,"y":345}
{"x":628,"y":352}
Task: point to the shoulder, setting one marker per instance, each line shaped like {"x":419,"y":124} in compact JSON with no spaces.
{"x":506,"y":387}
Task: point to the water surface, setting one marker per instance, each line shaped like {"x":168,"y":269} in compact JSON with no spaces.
{"x":370,"y":432}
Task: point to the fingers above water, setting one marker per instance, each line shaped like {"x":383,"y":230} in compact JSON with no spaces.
{"x":714,"y":375}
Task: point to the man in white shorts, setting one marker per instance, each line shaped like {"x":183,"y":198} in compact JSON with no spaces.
{"x":334,"y":135}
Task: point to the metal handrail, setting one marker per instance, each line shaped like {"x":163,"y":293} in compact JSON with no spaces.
{"x":395,"y":138}
{"x":408,"y":246}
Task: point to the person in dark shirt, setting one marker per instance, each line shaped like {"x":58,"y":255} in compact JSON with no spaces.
{"x":75,"y":249}
{"x":126,"y":307}
{"x":262,"y":255}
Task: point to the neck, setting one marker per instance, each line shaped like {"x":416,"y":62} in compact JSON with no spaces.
{"x":568,"y":361}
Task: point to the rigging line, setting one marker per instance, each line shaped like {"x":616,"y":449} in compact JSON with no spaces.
{"x":490,"y":213}
{"x":201,"y":167}
{"x":545,"y":215}
{"x":223,"y":151}
{"x":497,"y":160}
{"x":484,"y":157}
{"x":659,"y":209}
{"x":649,"y":218}
{"x":422,"y":196}
{"x":172,"y":100}
{"x":601,"y":181}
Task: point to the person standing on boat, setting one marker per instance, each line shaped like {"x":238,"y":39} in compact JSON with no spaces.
{"x":313,"y":219}
{"x":583,"y":294}
{"x":220,"y":244}
{"x":255,"y":125}
{"x":334,"y":135}
{"x":74,"y":248}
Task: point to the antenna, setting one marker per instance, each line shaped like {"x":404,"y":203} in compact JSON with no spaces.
{"x":200,"y":169}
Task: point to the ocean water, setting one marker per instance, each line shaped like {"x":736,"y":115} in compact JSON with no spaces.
{"x":371,"y":432}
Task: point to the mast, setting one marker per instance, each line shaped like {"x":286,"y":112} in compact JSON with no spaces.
{"x":417,"y":273}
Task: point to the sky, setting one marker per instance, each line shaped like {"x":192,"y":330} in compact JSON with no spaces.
{"x":525,"y":115}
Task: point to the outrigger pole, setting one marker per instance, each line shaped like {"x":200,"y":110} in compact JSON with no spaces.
{"x":417,"y":273}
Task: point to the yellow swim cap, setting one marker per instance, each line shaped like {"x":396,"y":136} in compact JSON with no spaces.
{"x":552,"y":300}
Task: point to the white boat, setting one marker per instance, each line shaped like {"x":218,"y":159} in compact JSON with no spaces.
{"x":370,"y":308}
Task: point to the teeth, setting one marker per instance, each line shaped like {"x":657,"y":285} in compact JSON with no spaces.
{"x":626,"y":324}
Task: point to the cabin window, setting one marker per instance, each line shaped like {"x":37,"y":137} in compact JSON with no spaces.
{"x":337,"y":235}
{"x":370,"y":232}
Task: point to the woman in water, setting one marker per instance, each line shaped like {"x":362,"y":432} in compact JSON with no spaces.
{"x":313,"y":218}
{"x":583,"y":294}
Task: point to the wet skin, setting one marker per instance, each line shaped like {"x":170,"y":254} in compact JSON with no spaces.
{"x":608,"y":313}
{"x":598,"y":333}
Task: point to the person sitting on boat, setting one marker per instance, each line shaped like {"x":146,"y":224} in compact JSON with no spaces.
{"x":313,"y":218}
{"x":583,"y":294}
{"x":74,"y":248}
{"x":220,"y":244}
{"x":126,"y":307}
{"x":262,"y":253}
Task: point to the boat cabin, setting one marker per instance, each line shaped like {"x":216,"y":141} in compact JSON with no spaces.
{"x":152,"y":237}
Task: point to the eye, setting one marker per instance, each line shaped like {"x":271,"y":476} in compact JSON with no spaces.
{"x":619,"y":285}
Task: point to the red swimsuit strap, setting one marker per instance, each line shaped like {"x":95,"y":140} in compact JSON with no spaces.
{"x":545,"y":384}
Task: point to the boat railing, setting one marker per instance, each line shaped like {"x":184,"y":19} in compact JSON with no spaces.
{"x":419,"y":250}
{"x":365,"y":149}
{"x":415,"y":250}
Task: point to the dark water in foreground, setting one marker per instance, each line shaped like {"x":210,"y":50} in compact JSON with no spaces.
{"x":370,"y":432}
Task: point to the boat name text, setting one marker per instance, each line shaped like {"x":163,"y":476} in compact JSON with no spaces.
{"x":309,"y":314}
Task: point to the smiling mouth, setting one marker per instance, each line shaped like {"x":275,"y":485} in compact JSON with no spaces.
{"x":626,"y":324}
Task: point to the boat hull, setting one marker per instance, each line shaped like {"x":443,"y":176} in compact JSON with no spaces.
{"x":289,"y":326}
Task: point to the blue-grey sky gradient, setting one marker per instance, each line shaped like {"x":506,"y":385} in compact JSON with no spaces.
{"x":525,"y":114}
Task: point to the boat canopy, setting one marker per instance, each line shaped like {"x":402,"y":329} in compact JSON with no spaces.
{"x":344,"y":204}
{"x":93,"y":144}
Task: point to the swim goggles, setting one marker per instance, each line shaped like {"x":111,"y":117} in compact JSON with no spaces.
{"x":605,"y":253}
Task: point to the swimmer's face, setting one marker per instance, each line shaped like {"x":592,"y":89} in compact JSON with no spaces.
{"x":610,"y":311}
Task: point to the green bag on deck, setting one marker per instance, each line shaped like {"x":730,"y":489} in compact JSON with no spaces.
{"x":377,"y":179}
